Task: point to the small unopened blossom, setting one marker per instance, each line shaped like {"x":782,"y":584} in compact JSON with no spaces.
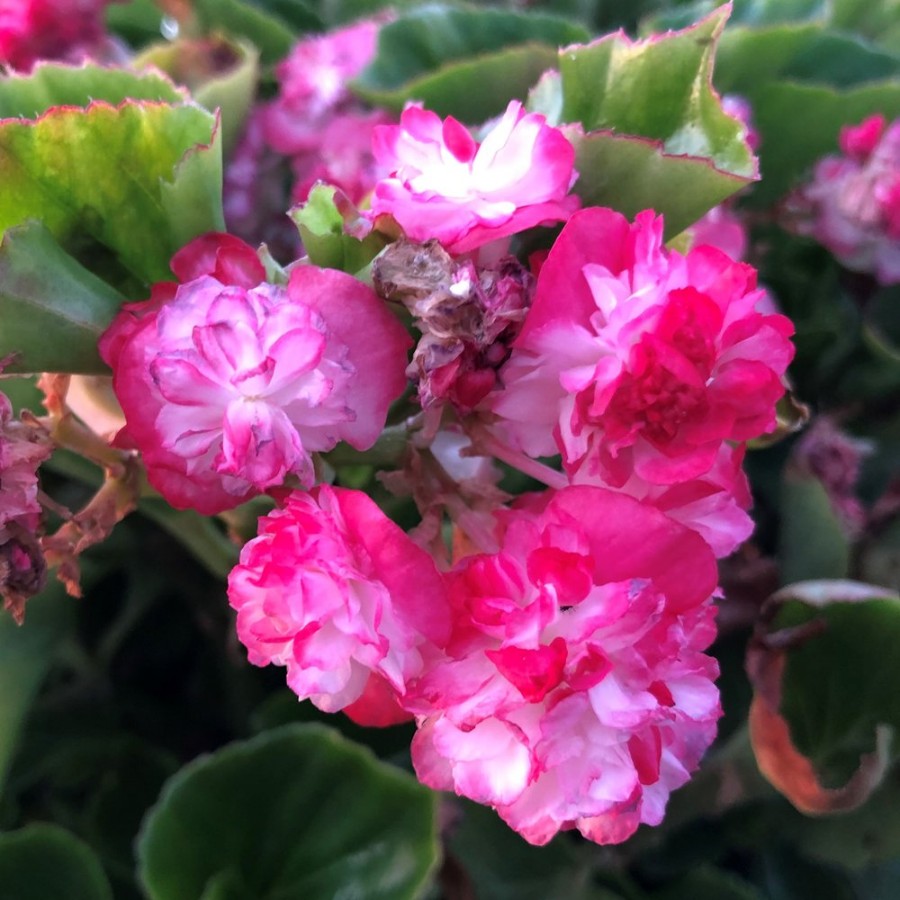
{"x":229,"y":384}
{"x":852,"y":204}
{"x":342,"y":597}
{"x":653,"y":361}
{"x":468,"y":316}
{"x":71,"y":30}
{"x":23,"y":447}
{"x":575,"y":693}
{"x":445,"y":185}
{"x":834,"y":458}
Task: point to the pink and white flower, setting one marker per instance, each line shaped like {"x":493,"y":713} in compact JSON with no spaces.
{"x":229,"y":384}
{"x":445,"y":185}
{"x":576,"y":692}
{"x":651,"y":363}
{"x":852,"y":205}
{"x":337,"y":593}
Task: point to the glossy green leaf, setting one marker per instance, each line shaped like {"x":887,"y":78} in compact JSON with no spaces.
{"x":467,"y":62}
{"x":220,"y":74}
{"x":630,"y":174}
{"x":812,"y":542}
{"x":44,"y":862}
{"x":745,"y":12}
{"x":270,"y":26}
{"x":298,"y":812}
{"x":138,"y":22}
{"x":53,"y":309}
{"x":322,"y":229}
{"x":659,"y":88}
{"x":135,"y":180}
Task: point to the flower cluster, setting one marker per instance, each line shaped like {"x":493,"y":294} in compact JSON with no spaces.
{"x":852,"y":204}
{"x":554,"y":658}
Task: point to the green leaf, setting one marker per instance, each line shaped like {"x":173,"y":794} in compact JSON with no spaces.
{"x":812,"y":543}
{"x":659,"y":88}
{"x":54,"y":84}
{"x":630,"y":174}
{"x":138,"y":179}
{"x":503,"y":866}
{"x":296,"y":812}
{"x":41,"y":862}
{"x":270,"y":26}
{"x":824,"y":667}
{"x":467,"y":62}
{"x":219,"y":73}
{"x":322,"y":229}
{"x":26,"y":652}
{"x":53,"y":309}
{"x":803,"y":83}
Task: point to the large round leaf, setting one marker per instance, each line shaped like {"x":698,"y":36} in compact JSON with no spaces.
{"x":43,"y":862}
{"x":298,"y":813}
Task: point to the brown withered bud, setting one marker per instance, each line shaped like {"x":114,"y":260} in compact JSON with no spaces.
{"x":468,"y":316}
{"x":23,"y":572}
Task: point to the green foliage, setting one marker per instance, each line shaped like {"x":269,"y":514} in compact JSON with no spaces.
{"x":44,"y":861}
{"x":833,"y":710}
{"x":322,"y":227}
{"x":447,"y":57}
{"x":656,"y":135}
{"x":813,"y":542}
{"x":220,"y":75}
{"x":332,"y":821}
{"x":53,"y":309}
{"x":26,"y":653}
{"x":135,"y":179}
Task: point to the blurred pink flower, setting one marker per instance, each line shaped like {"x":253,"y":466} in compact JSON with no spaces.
{"x":445,"y":185}
{"x":229,"y":384}
{"x":576,"y":693}
{"x":313,"y":85}
{"x":337,"y":593}
{"x":32,"y":30}
{"x":653,"y":362}
{"x":852,"y":204}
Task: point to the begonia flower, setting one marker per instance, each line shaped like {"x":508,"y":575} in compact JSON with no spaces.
{"x":229,"y":384}
{"x":576,"y":693}
{"x":635,"y":360}
{"x":341,"y":596}
{"x":445,"y":185}
{"x":852,"y":204}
